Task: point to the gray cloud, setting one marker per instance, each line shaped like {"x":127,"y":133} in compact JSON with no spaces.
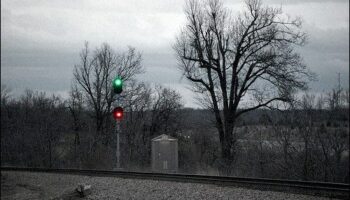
{"x":41,"y":40}
{"x":327,"y":53}
{"x":303,"y":1}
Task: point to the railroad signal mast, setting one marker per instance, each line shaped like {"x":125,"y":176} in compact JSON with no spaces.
{"x":118,"y":113}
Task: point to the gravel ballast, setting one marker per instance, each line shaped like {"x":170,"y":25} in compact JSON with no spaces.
{"x":37,"y":185}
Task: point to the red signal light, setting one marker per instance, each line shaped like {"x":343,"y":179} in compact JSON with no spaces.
{"x":118,"y":113}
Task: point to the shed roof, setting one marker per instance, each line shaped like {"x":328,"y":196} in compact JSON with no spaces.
{"x":164,"y":137}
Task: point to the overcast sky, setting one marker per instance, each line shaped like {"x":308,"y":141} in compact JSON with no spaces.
{"x":41,"y":40}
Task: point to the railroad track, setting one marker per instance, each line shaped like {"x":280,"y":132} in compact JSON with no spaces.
{"x":337,"y":190}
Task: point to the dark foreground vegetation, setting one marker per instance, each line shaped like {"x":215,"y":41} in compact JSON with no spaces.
{"x":307,"y":141}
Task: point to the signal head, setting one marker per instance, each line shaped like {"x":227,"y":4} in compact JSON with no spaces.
{"x":118,"y":113}
{"x":118,"y":85}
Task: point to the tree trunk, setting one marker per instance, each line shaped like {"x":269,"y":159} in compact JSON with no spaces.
{"x":76,"y":149}
{"x":338,"y":160}
{"x":261,"y":156}
{"x":227,"y":157}
{"x":227,"y":150}
{"x":306,"y":161}
{"x":50,"y":153}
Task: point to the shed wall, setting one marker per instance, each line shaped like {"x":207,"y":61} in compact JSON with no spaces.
{"x":165,"y":156}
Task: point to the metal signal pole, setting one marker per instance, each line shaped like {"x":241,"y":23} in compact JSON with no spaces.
{"x":117,"y":130}
{"x":117,"y":113}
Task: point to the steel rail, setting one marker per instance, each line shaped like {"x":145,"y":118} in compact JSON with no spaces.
{"x":339,"y":190}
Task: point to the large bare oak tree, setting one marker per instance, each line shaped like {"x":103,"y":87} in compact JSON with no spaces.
{"x":230,"y":59}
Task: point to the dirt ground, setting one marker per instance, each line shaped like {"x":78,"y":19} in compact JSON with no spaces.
{"x":50,"y":186}
{"x":18,"y":186}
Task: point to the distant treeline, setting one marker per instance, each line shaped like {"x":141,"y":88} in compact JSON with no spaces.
{"x":308,"y":141}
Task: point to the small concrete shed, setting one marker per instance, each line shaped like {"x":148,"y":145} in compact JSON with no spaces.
{"x":164,"y":154}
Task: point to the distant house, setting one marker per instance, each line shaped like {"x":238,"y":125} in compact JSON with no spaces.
{"x":164,"y":154}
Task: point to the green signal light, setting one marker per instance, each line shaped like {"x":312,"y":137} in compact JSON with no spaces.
{"x":118,"y":81}
{"x":117,"y":85}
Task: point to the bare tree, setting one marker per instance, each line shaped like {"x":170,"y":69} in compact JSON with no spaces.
{"x":95,"y":73}
{"x":346,"y":98}
{"x":338,"y":136}
{"x":41,"y":127}
{"x":75,"y":106}
{"x":230,"y":58}
{"x":323,"y":138}
{"x":137,"y":104}
{"x":166,"y":103}
{"x":5,"y":94}
{"x":147,"y":112}
{"x":306,"y":130}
